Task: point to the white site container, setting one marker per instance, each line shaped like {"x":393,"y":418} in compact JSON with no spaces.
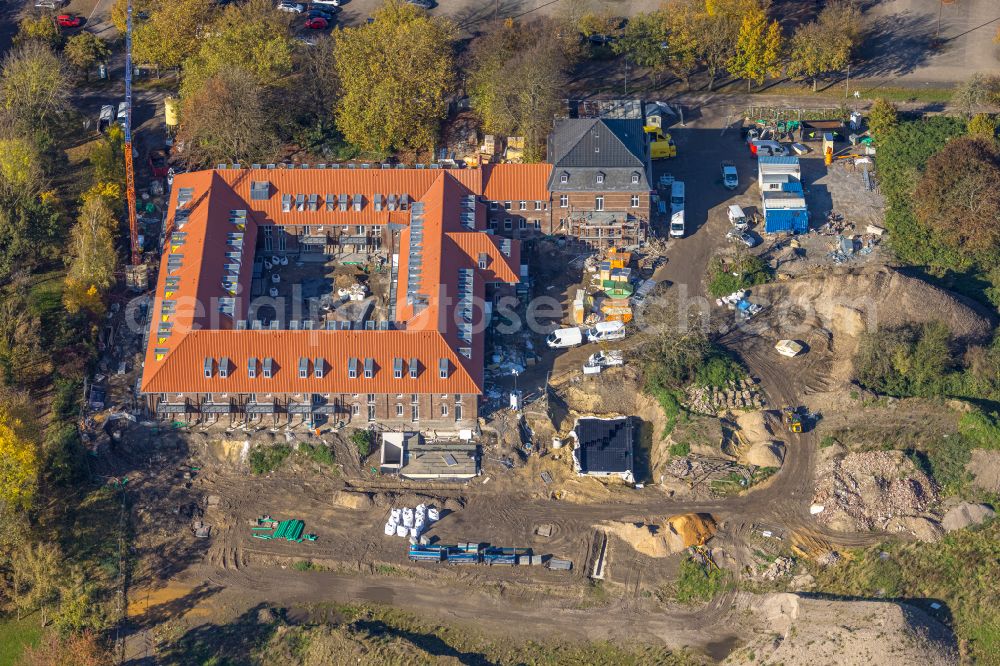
{"x":390,"y":528}
{"x":401,"y":530}
{"x":433,"y":515}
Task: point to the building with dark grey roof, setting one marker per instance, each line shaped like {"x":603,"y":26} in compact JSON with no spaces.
{"x":601,"y":180}
{"x":604,"y":447}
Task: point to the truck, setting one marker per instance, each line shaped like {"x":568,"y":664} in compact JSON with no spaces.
{"x":565,"y":337}
{"x":677,"y":209}
{"x":738,"y":218}
{"x":661,"y":145}
{"x":730,"y":177}
{"x":606,"y":330}
{"x":597,"y":362}
{"x":106,"y":117}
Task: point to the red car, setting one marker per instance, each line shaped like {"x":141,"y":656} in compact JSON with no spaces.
{"x":317,"y":23}
{"x":68,"y":21}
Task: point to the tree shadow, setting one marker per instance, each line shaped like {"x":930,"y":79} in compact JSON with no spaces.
{"x":428,"y":643}
{"x":231,"y":643}
{"x":896,"y":45}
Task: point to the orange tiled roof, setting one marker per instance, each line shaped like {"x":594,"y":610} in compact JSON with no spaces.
{"x":190,"y":293}
{"x":516,"y":182}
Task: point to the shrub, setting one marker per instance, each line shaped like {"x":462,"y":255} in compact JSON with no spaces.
{"x":264,"y":459}
{"x":362,"y":439}
{"x":320,"y":453}
{"x":698,"y":582}
{"x":718,"y":371}
{"x":680,"y":449}
{"x":726,"y":275}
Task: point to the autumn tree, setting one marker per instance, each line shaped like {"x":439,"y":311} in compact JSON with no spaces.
{"x":825,"y":45}
{"x":33,"y":85}
{"x":395,"y":75}
{"x":758,"y":48}
{"x":229,"y":119}
{"x":76,"y":649}
{"x":173,"y":32}
{"x":682,"y":42}
{"x":882,"y":118}
{"x":959,"y":201}
{"x":514,"y":84}
{"x":253,"y":36}
{"x":92,"y":258}
{"x":41,"y":29}
{"x":35,"y":569}
{"x":21,"y":175}
{"x":107,"y":157}
{"x":84,"y":50}
{"x":979,"y":90}
{"x":19,"y":442}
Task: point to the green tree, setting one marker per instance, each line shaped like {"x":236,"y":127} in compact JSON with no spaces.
{"x":983,"y":125}
{"x":92,"y":257}
{"x":882,"y":119}
{"x":173,"y":31}
{"x":107,"y":156}
{"x":395,"y":75}
{"x":33,"y":85}
{"x":758,"y":48}
{"x":41,"y":29}
{"x":35,"y":569}
{"x":21,"y":174}
{"x":254,"y":36}
{"x":84,"y":50}
{"x":646,"y":42}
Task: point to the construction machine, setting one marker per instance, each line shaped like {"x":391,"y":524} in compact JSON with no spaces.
{"x":661,"y":145}
{"x":791,"y":419}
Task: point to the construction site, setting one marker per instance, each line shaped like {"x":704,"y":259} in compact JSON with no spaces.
{"x":540,"y":515}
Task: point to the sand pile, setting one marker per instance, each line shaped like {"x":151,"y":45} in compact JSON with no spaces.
{"x":678,"y":533}
{"x":848,"y":301}
{"x":766,"y":454}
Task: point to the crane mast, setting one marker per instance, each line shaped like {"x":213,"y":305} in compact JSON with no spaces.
{"x":129,"y":167}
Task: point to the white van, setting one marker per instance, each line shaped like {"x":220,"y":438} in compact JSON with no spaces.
{"x":677,"y":209}
{"x":767,"y":148}
{"x":606,"y":330}
{"x":564,"y":337}
{"x":738,"y":218}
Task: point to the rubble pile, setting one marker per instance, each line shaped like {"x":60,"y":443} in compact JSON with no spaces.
{"x":866,"y":490}
{"x":780,"y":568}
{"x":739,"y":394}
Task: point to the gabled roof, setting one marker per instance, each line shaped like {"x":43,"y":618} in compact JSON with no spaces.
{"x":520,"y":182}
{"x":197,"y":279}
{"x":580,"y":148}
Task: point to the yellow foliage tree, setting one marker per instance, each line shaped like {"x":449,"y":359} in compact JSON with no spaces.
{"x":18,"y":458}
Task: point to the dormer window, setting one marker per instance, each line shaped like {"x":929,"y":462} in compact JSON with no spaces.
{"x":369,"y":368}
{"x":352,"y":368}
{"x":635,"y":177}
{"x":252,"y":368}
{"x":209,"y":366}
{"x":564,"y":177}
{"x":318,"y":366}
{"x":223,"y":367}
{"x":303,"y":368}
{"x":600,"y":177}
{"x":397,"y":368}
{"x":443,"y":368}
{"x":414,"y":367}
{"x":268,"y":367}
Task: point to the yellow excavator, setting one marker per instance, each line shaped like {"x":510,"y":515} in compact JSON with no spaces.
{"x":791,"y":419}
{"x":661,"y":145}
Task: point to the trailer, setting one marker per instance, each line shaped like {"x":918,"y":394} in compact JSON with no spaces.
{"x":504,"y":556}
{"x":419,"y":553}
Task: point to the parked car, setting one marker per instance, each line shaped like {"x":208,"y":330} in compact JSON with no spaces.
{"x":606,"y":330}
{"x":47,"y":4}
{"x":332,"y":3}
{"x":744,"y":237}
{"x":677,"y":209}
{"x":423,"y":4}
{"x":292,"y":7}
{"x":122,"y":112}
{"x":730,"y":178}
{"x":69,"y":21}
{"x":738,"y":218}
{"x":317,"y":23}
{"x":597,"y":362}
{"x":326,"y":13}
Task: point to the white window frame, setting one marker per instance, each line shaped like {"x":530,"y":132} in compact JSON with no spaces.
{"x":599,"y":202}
{"x":635,"y":201}
{"x":564,"y":201}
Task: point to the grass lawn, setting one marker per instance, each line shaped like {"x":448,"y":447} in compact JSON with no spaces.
{"x":15,"y":634}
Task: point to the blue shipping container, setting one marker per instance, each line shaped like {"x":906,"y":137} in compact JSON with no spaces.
{"x":786,"y":220}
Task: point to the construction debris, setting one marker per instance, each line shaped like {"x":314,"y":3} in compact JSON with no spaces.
{"x":738,"y":394}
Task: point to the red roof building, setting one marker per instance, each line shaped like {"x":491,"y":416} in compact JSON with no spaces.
{"x":423,"y":364}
